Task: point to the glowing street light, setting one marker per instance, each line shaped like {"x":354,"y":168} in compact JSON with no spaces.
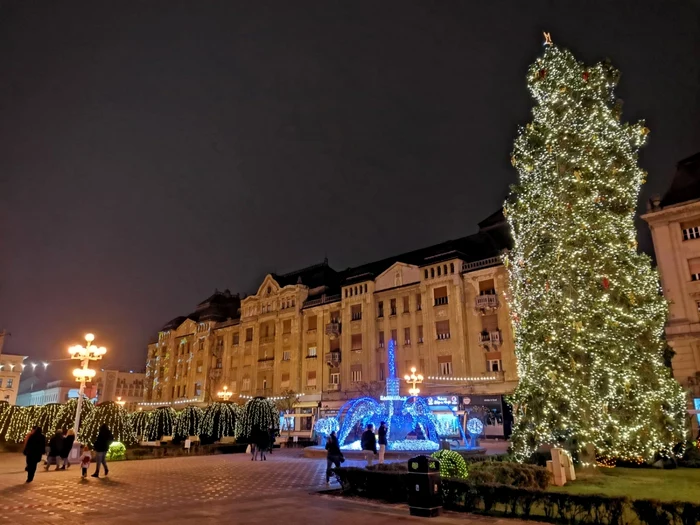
{"x":225,"y":395}
{"x":414,"y":379}
{"x":84,"y":374}
{"x":120,"y":402}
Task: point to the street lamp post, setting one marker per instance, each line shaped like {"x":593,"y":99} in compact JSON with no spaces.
{"x":225,"y":395}
{"x":413,"y":379}
{"x":85,"y":354}
{"x":120,"y":402}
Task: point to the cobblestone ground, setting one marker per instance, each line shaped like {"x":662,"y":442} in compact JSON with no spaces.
{"x":201,"y":489}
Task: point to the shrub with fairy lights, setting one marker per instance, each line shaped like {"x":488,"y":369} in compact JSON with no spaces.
{"x":112,"y":415}
{"x":452,"y":464}
{"x":587,"y":310}
{"x":189,"y":423}
{"x":20,"y":420}
{"x":5,"y":417}
{"x":47,"y":418}
{"x":257,"y":412}
{"x":66,"y":416}
{"x":116,"y":451}
{"x":162,"y":423}
{"x":219,"y":420}
{"x":139,"y":423}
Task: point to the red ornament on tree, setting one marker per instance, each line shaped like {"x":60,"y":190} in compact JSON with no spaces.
{"x":585,"y":76}
{"x":606,"y":283}
{"x":542,"y":73}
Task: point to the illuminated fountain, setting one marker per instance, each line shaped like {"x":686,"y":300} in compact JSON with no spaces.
{"x":411,"y":425}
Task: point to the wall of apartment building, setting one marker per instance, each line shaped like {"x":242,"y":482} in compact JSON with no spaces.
{"x":114,"y":384}
{"x":10,"y":371}
{"x":676,"y":235}
{"x":280,"y":343}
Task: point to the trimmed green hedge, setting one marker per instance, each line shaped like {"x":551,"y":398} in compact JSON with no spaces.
{"x":517,"y":502}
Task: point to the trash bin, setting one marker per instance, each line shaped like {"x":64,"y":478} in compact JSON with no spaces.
{"x":424,"y":486}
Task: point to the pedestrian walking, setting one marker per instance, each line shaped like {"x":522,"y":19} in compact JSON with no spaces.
{"x":66,"y":447}
{"x":381,"y":435}
{"x":262,"y":443}
{"x":85,"y":460}
{"x":101,"y":446}
{"x":273,"y":437}
{"x":33,"y":450}
{"x":334,"y":456}
{"x":369,"y":444}
{"x":55,"y":448}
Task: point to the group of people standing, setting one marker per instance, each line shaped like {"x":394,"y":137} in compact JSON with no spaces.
{"x":334,"y":456}
{"x":58,"y":448}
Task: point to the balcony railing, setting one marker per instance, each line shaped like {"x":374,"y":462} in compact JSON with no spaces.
{"x":333,"y":387}
{"x":483,"y":263}
{"x":266,"y":363}
{"x":444,"y":335}
{"x":333,"y":358}
{"x":324,"y":299}
{"x":356,"y":316}
{"x":333,"y":329}
{"x":263,"y":392}
{"x":486,"y":301}
{"x":440,"y":301}
{"x":493,"y":338}
{"x":267,"y":340}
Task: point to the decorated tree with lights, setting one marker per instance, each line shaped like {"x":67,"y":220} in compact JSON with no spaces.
{"x":189,"y":423}
{"x":21,"y":422}
{"x":257,"y":412}
{"x":139,"y":423}
{"x":12,"y":420}
{"x":219,"y":420}
{"x":47,"y":418}
{"x":586,"y":307}
{"x":162,"y":423}
{"x":5,"y":417}
{"x":112,"y":415}
{"x":66,"y":416}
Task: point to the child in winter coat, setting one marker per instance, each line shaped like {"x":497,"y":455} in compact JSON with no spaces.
{"x":85,"y":460}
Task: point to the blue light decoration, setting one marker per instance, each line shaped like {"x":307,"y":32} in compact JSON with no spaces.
{"x":411,"y":424}
{"x":696,"y":402}
{"x":475,"y":427}
{"x":326,"y":425}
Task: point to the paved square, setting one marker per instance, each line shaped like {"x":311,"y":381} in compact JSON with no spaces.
{"x":198,"y":489}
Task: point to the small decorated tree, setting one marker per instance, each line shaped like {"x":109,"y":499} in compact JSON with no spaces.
{"x":66,"y":415}
{"x":162,"y":424}
{"x":285,"y":405}
{"x":219,"y":420}
{"x":139,"y":423}
{"x":116,"y":419}
{"x":5,"y":417}
{"x":257,"y":412}
{"x":189,"y":423}
{"x":47,"y":418}
{"x":19,"y":424}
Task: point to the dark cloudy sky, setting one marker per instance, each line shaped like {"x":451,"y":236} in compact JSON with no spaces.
{"x":151,"y":151}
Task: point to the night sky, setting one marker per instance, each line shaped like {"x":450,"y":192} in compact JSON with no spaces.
{"x":152,"y":151}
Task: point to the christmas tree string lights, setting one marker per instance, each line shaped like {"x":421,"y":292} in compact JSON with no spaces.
{"x":587,"y":309}
{"x":116,"y":419}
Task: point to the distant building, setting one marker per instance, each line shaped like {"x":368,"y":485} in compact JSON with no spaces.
{"x":11,"y":367}
{"x":54,"y":392}
{"x":114,"y":385}
{"x":324,"y":333}
{"x":675,"y":228}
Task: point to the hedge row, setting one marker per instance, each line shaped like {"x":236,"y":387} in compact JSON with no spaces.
{"x":471,"y":495}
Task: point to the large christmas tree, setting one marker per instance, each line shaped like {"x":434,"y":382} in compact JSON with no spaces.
{"x":587,"y":309}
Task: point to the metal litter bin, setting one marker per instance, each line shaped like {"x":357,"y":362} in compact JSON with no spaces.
{"x":424,"y":486}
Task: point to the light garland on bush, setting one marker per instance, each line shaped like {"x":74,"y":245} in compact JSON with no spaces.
{"x":47,"y":417}
{"x":139,"y":423}
{"x":112,"y":415}
{"x":189,"y":422}
{"x":66,"y":415}
{"x":162,"y":424}
{"x":257,"y":412}
{"x":586,"y":307}
{"x":219,"y":420}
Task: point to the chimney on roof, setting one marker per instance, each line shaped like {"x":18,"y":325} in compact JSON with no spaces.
{"x":654,"y":203}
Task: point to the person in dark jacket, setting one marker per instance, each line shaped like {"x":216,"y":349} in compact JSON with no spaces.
{"x":33,"y":450}
{"x":55,"y":448}
{"x":381,"y":439}
{"x":273,"y":437}
{"x":334,"y":455}
{"x":369,"y":444}
{"x":101,"y":446}
{"x":262,"y":442}
{"x":68,"y":441}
